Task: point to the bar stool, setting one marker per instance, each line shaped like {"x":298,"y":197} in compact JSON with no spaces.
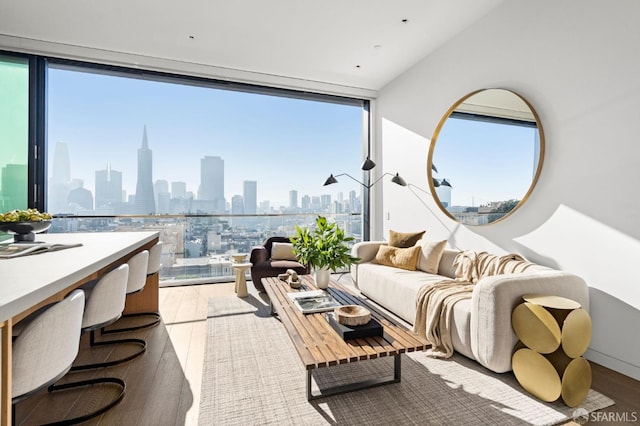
{"x":45,"y":349}
{"x":135,"y":285}
{"x":105,"y":304}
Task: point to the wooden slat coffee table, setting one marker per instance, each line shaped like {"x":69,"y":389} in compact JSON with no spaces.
{"x":320,"y":346}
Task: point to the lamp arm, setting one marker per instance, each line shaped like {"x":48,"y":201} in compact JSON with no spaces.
{"x":351,"y":177}
{"x":410,"y":185}
{"x":377,"y":180}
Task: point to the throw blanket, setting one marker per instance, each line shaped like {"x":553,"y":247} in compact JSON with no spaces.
{"x":435,"y":302}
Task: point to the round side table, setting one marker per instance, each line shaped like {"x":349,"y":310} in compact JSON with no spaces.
{"x":554,"y":332}
{"x":241,"y":280}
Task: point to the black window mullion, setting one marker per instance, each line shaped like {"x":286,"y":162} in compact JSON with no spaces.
{"x":37,"y":168}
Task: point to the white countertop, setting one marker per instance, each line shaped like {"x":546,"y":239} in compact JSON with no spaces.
{"x":28,"y":280}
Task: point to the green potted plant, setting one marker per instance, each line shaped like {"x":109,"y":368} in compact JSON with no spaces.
{"x":323,"y":248}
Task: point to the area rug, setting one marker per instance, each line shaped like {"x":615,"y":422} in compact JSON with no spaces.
{"x":253,"y":376}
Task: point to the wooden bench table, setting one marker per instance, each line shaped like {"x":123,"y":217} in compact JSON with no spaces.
{"x":318,"y":345}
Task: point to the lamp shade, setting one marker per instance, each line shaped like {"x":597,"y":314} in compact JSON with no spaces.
{"x":445,"y":183}
{"x":368,"y":164}
{"x":330,"y":181}
{"x":398,"y":180}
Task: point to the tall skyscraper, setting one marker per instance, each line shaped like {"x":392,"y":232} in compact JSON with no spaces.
{"x":57,"y":197}
{"x":61,"y":170}
{"x":145,"y":202}
{"x":108,"y":188}
{"x":212,"y":183}
{"x":250,"y":195}
{"x":293,"y":199}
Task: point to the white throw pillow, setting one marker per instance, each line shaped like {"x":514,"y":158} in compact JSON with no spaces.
{"x":430,"y":255}
{"x":282,"y":251}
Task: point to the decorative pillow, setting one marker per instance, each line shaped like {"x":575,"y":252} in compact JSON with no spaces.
{"x":282,"y":251}
{"x":430,"y":255}
{"x":404,"y":239}
{"x":403,"y":258}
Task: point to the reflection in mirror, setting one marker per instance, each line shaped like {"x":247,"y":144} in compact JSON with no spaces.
{"x":488,"y":149}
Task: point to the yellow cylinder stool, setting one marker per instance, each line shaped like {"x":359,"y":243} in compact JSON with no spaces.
{"x":554,"y":333}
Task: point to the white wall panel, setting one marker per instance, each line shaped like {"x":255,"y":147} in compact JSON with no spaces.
{"x":577,"y":63}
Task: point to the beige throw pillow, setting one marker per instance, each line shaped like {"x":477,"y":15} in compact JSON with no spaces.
{"x":404,"y":239}
{"x":430,"y":255}
{"x":403,"y":258}
{"x":282,"y":251}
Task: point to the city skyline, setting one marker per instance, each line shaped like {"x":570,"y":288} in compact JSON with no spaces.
{"x":274,"y":140}
{"x":108,"y":191}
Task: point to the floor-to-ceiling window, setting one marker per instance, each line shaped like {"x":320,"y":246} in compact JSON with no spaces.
{"x":216,"y":167}
{"x":14,"y":132}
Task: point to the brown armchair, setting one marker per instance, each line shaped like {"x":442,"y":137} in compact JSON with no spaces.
{"x":264,"y":266}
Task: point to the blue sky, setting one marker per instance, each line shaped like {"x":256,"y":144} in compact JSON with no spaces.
{"x":280,"y":142}
{"x":484,"y":161}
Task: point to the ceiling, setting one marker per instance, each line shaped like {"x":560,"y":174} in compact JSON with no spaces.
{"x":353,"y":43}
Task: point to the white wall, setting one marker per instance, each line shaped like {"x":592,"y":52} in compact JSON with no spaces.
{"x":578,"y":63}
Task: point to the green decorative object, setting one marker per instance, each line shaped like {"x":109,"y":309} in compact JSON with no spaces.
{"x":323,"y":247}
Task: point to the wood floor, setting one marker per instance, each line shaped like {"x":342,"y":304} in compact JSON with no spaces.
{"x":163,"y":385}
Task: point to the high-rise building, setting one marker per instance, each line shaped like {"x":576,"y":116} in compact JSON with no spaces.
{"x":162,"y":196}
{"x":293,"y":199}
{"x":178,"y":190}
{"x":325,"y":200}
{"x":212,"y":183}
{"x":144,"y":201}
{"x":306,"y":203}
{"x":13,"y":181}
{"x":108,"y":188}
{"x":444,"y":195}
{"x":59,"y":181}
{"x":265,"y":207}
{"x":79,"y":198}
{"x":250,"y":194}
{"x":237,"y":204}
{"x":61,"y":170}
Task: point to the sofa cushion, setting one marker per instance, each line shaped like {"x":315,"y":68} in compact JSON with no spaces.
{"x":404,"y":258}
{"x":446,"y":267}
{"x":282,"y":251}
{"x":430,"y":255}
{"x":404,"y":239}
{"x":397,"y":289}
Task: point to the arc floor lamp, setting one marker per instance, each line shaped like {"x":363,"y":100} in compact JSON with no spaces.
{"x":366,"y":166}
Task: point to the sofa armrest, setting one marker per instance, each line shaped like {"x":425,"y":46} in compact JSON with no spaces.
{"x":365,"y":251}
{"x":258,"y":254}
{"x":493,"y":300}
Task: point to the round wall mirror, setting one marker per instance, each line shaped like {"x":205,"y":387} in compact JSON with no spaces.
{"x":485,"y":156}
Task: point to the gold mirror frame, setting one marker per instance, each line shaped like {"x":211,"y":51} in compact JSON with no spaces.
{"x":436,"y":135}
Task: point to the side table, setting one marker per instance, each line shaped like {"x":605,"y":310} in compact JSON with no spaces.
{"x":241,"y":280}
{"x":554,"y":333}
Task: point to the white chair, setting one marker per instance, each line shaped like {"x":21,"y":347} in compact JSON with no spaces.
{"x":45,"y":349}
{"x":105,"y":303}
{"x":136,"y":284}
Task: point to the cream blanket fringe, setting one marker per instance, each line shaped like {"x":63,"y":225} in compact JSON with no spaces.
{"x":435,"y":302}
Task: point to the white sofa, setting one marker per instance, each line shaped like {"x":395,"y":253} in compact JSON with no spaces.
{"x":481,"y":326}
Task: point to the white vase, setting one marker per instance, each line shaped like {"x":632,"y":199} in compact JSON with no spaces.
{"x":321,"y":277}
